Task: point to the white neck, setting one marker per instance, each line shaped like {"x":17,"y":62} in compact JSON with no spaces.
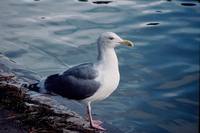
{"x":108,"y":58}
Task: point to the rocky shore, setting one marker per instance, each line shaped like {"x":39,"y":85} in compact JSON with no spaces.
{"x":29,"y":111}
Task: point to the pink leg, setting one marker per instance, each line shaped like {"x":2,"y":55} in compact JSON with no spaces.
{"x":94,"y":123}
{"x":98,"y":122}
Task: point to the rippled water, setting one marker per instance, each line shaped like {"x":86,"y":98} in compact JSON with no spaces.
{"x":158,"y":92}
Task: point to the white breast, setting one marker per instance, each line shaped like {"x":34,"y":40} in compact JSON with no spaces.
{"x":109,"y":81}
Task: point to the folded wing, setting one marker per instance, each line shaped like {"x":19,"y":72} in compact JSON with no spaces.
{"x":76,"y":83}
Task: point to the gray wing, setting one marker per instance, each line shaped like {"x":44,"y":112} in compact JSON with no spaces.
{"x":75,"y":83}
{"x":82,"y":71}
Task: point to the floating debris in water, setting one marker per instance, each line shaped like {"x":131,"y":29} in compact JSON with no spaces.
{"x":102,"y":2}
{"x":188,"y":4}
{"x":153,"y":23}
{"x":158,"y":11}
{"x":43,"y":17}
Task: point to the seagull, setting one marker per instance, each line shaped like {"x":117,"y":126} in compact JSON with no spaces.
{"x":88,"y":82}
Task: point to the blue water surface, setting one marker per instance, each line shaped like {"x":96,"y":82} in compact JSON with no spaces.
{"x":159,"y":87}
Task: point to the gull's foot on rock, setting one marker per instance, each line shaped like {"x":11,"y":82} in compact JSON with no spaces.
{"x":97,"y":122}
{"x":97,"y":126}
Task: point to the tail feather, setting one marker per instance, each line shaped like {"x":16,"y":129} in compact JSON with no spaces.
{"x":52,"y":82}
{"x":46,"y":85}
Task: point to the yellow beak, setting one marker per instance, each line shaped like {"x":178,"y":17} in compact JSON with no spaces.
{"x":127,"y":43}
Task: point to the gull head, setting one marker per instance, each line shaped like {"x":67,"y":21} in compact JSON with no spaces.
{"x":112,"y":40}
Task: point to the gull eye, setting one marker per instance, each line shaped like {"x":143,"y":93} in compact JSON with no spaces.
{"x":111,"y":38}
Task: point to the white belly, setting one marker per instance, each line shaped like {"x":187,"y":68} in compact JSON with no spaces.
{"x":109,"y":81}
